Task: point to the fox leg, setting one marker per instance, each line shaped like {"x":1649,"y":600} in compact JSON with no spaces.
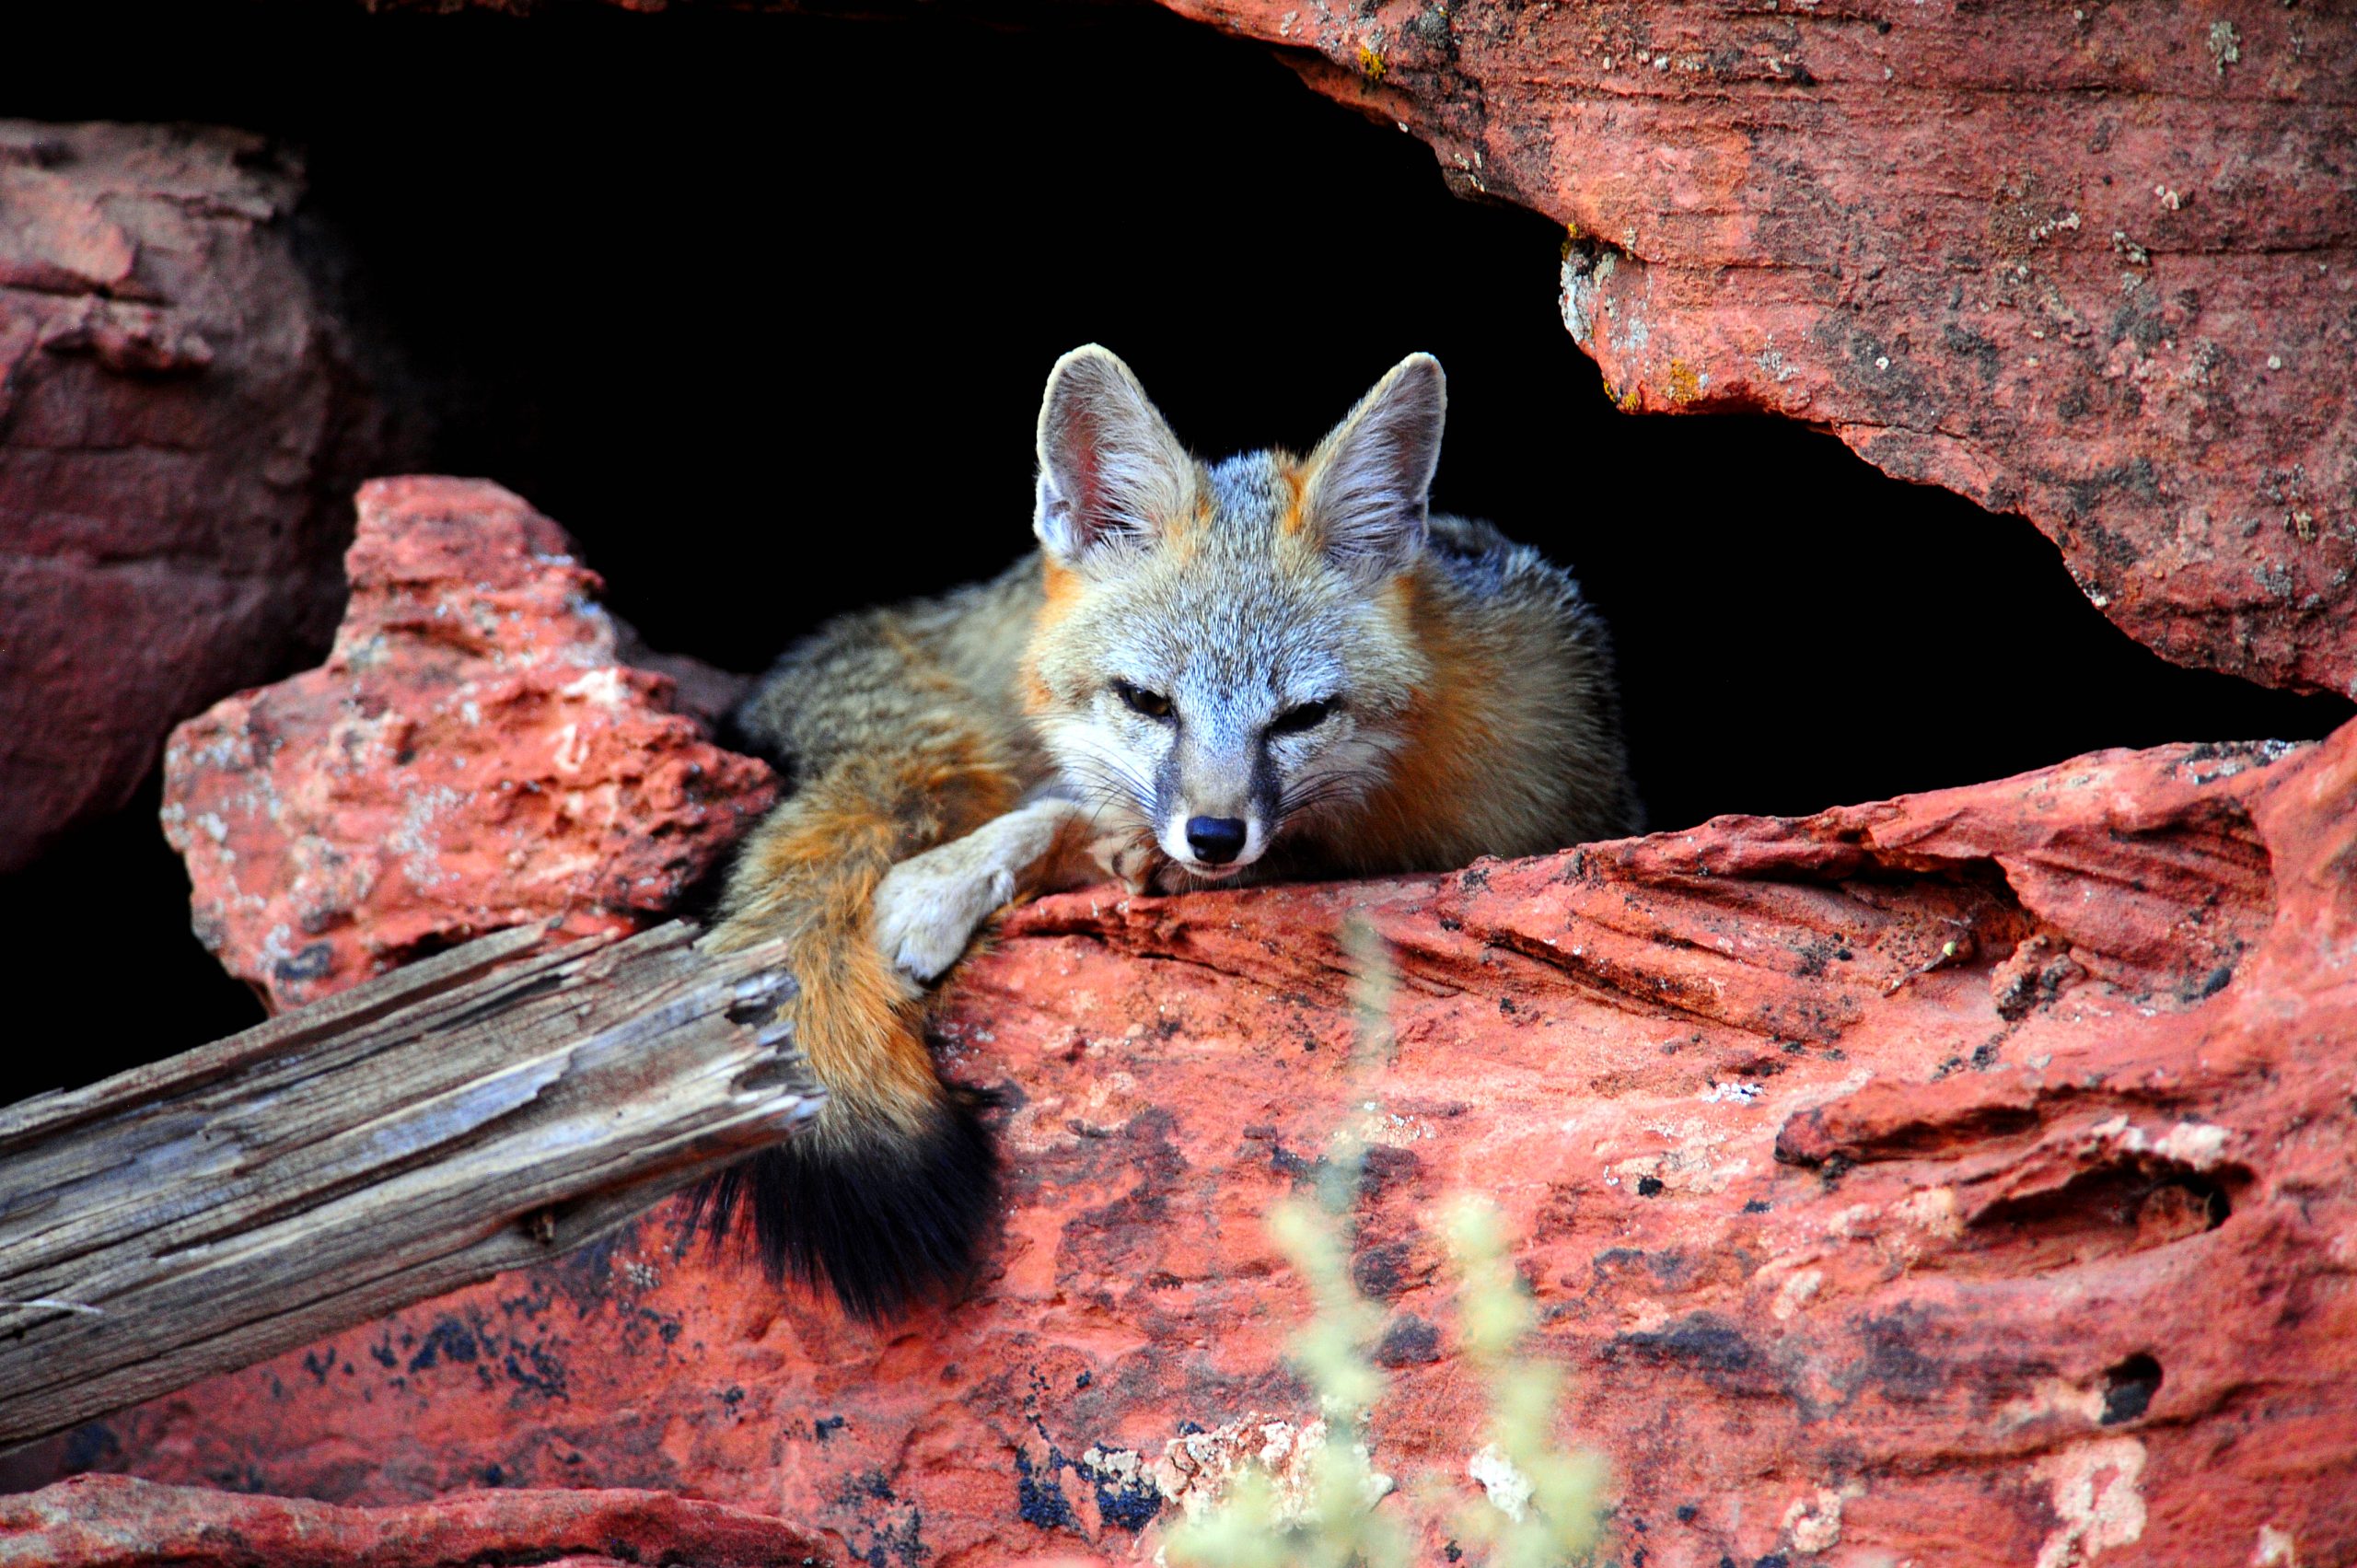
{"x":928,"y":907}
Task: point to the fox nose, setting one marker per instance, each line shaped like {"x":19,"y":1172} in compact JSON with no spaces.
{"x":1215,"y":840}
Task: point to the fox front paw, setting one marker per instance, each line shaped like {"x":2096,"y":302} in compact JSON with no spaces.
{"x":1134,"y":862}
{"x":928,"y":909}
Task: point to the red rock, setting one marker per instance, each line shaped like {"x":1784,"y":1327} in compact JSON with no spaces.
{"x":179,"y":424}
{"x":2096,"y":265}
{"x":1962,"y":1179}
{"x":117,"y":1522}
{"x":473,"y":755}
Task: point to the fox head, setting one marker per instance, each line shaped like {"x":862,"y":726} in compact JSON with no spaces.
{"x":1226,"y":653}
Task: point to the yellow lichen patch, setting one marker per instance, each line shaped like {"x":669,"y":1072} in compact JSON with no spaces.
{"x":1372,"y":65}
{"x":2097,"y":1500}
{"x":1813,"y":1525}
{"x":1684,"y":383}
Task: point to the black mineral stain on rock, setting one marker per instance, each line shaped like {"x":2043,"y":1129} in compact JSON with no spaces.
{"x":1040,"y":1500}
{"x":1711,"y":1347}
{"x":2216,"y":981}
{"x":870,"y":1485}
{"x":1127,"y":1503}
{"x":314,"y":961}
{"x":1384,"y":1169}
{"x":1121,"y":1237}
{"x":1126,"y":1496}
{"x":1380,"y":1272}
{"x":1408,"y":1341}
{"x":91,"y":1445}
{"x":1895,"y":1361}
{"x":448,"y":1337}
{"x":1700,"y":1339}
{"x":891,"y":1540}
{"x":534,"y":1367}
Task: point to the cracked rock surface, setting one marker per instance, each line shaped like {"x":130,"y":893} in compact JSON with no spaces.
{"x":1961,"y":1179}
{"x":481,"y":748}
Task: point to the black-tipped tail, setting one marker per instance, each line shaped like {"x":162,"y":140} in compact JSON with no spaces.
{"x":883,"y":1219}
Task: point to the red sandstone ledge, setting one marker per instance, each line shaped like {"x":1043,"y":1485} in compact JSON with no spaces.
{"x":1964,"y":1179}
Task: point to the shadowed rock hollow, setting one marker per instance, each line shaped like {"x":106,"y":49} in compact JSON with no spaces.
{"x":2096,"y":265}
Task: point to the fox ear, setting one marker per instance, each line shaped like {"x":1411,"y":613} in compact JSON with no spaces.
{"x":1370,"y":480}
{"x":1111,"y":471}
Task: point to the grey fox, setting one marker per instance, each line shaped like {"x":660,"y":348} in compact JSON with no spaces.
{"x":1206,"y":674}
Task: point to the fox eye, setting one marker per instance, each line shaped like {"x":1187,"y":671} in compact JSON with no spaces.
{"x":1303,"y":716}
{"x":1153,"y":704}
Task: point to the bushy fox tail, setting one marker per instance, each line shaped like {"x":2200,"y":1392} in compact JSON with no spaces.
{"x":885,"y":1196}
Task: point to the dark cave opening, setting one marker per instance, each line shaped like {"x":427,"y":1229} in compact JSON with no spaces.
{"x":760,"y":308}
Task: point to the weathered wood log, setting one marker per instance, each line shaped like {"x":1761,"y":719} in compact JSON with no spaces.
{"x":488,"y":1108}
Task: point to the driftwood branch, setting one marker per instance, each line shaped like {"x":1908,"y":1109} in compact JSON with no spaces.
{"x":488,"y":1108}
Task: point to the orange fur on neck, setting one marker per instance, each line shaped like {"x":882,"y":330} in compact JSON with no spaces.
{"x":1419,"y":811}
